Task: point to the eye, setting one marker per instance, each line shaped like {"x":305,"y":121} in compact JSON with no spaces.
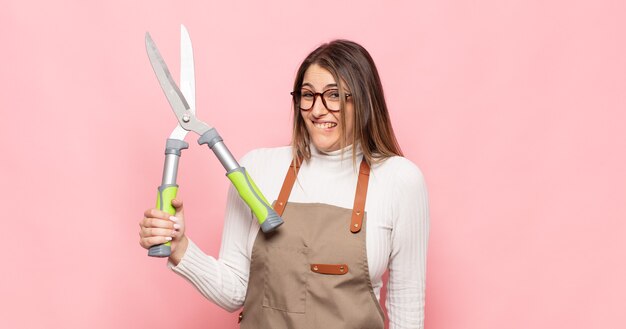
{"x":306,"y":94}
{"x":332,"y":94}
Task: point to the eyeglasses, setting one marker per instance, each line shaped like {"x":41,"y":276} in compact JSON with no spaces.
{"x":330,"y":98}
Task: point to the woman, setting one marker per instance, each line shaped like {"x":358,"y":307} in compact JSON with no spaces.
{"x":353,"y":208}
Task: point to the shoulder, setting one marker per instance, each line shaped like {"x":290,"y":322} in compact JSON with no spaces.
{"x":267,"y":161}
{"x":398,"y":171}
{"x":263,"y":155}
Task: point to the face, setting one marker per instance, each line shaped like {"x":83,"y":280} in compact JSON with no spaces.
{"x":324,"y":126}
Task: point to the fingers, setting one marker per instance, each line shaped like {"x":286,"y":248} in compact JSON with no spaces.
{"x":147,"y":232}
{"x":154,"y":240}
{"x":158,"y":227}
{"x":156,"y":213}
{"x":158,"y":223}
{"x":155,"y":231}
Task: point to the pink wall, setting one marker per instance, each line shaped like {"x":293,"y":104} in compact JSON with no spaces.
{"x":514,"y":110}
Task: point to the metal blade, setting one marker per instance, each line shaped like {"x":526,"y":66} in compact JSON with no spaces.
{"x":187,"y":75}
{"x":187,"y":79}
{"x":174,"y":96}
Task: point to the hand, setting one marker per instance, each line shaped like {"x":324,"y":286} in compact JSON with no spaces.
{"x":158,"y":227}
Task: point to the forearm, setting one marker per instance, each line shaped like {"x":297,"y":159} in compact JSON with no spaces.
{"x":214,"y":279}
{"x":405,"y":303}
{"x":223,"y":281}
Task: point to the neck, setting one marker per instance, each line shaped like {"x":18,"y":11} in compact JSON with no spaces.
{"x":341,"y":157}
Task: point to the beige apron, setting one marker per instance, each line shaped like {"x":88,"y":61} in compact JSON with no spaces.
{"x":312,"y":272}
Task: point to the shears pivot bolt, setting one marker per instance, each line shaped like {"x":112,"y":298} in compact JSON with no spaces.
{"x":186,"y":118}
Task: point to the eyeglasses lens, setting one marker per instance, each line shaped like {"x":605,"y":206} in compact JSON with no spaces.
{"x":330,"y":98}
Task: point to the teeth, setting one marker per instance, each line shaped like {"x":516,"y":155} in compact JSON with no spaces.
{"x":324,"y":124}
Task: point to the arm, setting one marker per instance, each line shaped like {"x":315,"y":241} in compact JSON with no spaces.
{"x":223,"y":281}
{"x":407,"y":263}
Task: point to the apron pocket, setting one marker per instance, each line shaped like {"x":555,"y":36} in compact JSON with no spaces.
{"x":286,"y":271}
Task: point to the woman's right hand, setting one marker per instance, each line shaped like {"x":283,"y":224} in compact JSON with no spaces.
{"x":158,"y":227}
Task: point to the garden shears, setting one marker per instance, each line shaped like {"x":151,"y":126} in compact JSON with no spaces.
{"x":182,"y":101}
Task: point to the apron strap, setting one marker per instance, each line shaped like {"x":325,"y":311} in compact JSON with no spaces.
{"x":290,"y":179}
{"x":360,"y":196}
{"x":358,"y":210}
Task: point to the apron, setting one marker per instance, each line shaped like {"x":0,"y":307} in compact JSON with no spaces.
{"x":312,"y":272}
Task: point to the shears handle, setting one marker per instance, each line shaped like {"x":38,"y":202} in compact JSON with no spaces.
{"x":251,"y":195}
{"x":166,"y":193}
{"x":168,"y":189}
{"x":247,"y":189}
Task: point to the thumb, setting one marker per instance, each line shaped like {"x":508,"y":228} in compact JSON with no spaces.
{"x":178,"y":204}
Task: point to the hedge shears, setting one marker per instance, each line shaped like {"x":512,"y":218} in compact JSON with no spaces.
{"x":182,"y":101}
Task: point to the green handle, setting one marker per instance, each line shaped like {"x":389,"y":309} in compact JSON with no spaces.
{"x":253,"y":197}
{"x":165,"y":195}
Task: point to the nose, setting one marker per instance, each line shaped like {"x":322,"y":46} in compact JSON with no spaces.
{"x":318,"y":108}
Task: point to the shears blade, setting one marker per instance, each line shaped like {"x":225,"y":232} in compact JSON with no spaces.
{"x":172,"y":93}
{"x":184,"y":113}
{"x":187,"y":74}
{"x":187,"y":79}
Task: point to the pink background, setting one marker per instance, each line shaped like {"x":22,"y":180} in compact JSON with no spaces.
{"x":514,"y":110}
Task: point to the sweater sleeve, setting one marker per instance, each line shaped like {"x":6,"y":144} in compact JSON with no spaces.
{"x":223,"y":281}
{"x":407,"y":263}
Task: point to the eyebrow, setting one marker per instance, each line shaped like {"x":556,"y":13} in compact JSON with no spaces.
{"x":325,"y":87}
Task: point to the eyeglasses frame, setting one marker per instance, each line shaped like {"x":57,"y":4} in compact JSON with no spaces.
{"x":297,"y":94}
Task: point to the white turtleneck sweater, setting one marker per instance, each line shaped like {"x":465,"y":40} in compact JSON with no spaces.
{"x":397,"y":227}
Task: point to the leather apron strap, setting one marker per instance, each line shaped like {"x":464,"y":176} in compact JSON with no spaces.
{"x":360,"y":196}
{"x":285,"y":190}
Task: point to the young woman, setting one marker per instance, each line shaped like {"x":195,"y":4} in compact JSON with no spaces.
{"x":353,"y":208}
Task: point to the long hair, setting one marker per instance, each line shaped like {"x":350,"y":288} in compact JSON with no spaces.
{"x":353,"y":69}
